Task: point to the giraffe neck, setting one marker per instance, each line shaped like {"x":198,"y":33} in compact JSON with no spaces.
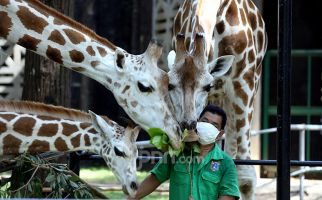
{"x":43,"y":30}
{"x":64,"y":129}
{"x":36,"y":133}
{"x":205,"y":13}
{"x":38,"y":108}
{"x":196,"y":17}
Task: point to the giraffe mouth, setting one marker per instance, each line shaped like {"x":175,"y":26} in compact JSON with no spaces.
{"x":175,"y":139}
{"x":125,"y":190}
{"x":133,"y":187}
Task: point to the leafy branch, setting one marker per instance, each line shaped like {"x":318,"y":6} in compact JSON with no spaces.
{"x":60,"y":181}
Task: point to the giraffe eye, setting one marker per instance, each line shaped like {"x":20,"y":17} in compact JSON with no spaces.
{"x":207,"y":87}
{"x":144,"y":88}
{"x":119,"y":153}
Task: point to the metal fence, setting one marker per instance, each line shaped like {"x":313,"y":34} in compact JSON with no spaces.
{"x":311,"y":166}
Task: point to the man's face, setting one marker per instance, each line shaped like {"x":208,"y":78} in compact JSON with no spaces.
{"x":213,"y":119}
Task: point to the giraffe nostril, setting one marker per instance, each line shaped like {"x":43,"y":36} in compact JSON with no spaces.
{"x":193,"y":125}
{"x":184,"y":125}
{"x":134,"y":185}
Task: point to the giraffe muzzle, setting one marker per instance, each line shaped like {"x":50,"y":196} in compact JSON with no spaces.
{"x":188,"y":125}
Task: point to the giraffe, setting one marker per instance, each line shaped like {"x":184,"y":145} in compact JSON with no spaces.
{"x":204,"y":32}
{"x":139,"y":86}
{"x":36,"y":127}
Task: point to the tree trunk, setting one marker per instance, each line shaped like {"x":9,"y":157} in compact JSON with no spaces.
{"x":141,"y":25}
{"x":44,"y":80}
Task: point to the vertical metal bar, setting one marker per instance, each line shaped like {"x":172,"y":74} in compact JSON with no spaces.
{"x":302,"y":158}
{"x":266,"y":77}
{"x":283,"y":98}
{"x":308,"y":104}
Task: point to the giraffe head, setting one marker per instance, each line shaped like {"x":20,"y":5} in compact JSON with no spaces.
{"x":191,"y":78}
{"x":141,"y":89}
{"x":139,"y":86}
{"x":118,"y":149}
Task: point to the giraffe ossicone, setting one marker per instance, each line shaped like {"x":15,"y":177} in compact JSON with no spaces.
{"x":35,"y":128}
{"x":230,"y":27}
{"x":138,"y":84}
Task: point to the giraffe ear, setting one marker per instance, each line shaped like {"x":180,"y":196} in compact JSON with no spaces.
{"x":154,"y":50}
{"x":171,"y":58}
{"x":135,"y":133}
{"x":101,"y":126}
{"x":221,"y":65}
{"x":119,"y":60}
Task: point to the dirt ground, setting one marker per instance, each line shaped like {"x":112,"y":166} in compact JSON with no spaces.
{"x":266,"y":189}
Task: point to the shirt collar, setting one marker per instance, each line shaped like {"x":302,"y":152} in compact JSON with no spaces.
{"x":214,"y":154}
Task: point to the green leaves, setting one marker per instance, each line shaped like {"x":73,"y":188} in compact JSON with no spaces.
{"x":196,"y":148}
{"x":174,"y":152}
{"x":155,"y":132}
{"x":158,"y":138}
{"x":161,"y":141}
{"x":50,"y":178}
{"x":29,"y":185}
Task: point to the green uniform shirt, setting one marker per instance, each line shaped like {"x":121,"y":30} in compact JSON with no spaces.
{"x":213,"y":177}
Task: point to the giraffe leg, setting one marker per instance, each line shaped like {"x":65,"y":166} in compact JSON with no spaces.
{"x":237,"y":142}
{"x":239,"y":135}
{"x":247,"y":181}
{"x":231,"y":142}
{"x":246,"y":173}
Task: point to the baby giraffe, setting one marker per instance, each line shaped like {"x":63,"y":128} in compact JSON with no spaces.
{"x":35,"y":127}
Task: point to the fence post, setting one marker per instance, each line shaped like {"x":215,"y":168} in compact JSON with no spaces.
{"x":283,"y":98}
{"x":302,"y":158}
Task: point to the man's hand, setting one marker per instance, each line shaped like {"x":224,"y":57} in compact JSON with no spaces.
{"x":149,"y":184}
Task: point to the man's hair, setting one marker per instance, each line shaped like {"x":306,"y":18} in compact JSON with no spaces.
{"x":215,"y":110}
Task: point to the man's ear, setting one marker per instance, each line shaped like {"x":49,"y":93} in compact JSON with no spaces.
{"x":221,"y":133}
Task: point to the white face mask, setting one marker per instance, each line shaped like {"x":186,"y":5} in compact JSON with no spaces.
{"x":207,"y":133}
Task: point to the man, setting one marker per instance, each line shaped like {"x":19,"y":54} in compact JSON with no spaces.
{"x":210,"y":174}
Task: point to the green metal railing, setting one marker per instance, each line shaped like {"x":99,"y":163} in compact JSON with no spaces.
{"x":305,"y":110}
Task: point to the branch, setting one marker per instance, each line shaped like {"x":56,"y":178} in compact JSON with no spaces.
{"x":47,"y":167}
{"x":33,"y":174}
{"x":94,"y":190}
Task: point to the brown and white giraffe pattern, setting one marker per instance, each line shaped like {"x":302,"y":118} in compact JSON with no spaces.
{"x":190,"y":76}
{"x":139,"y":86}
{"x":35,"y":128}
{"x":238,"y":30}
